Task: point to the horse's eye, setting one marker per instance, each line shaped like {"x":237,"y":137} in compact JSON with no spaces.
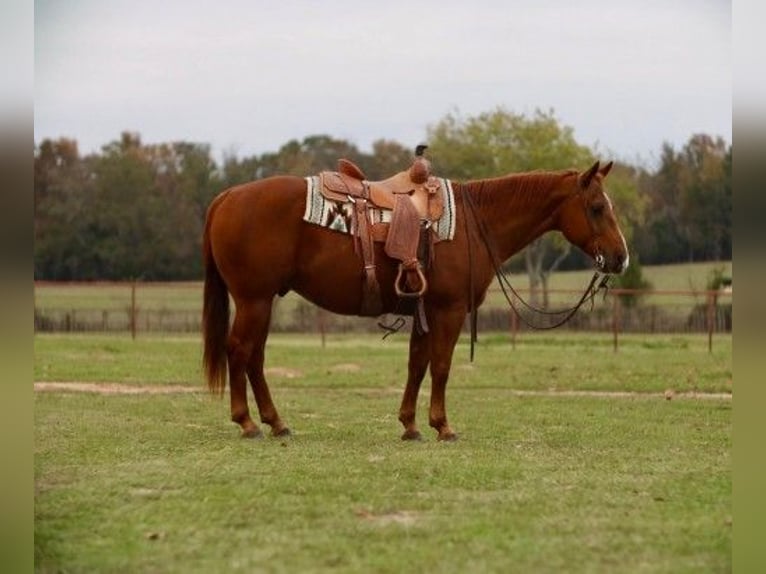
{"x":597,"y":209}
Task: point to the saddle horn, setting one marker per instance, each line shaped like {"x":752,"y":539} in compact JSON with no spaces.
{"x":421,"y":167}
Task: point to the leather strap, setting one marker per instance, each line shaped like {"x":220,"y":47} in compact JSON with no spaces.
{"x":371,"y":300}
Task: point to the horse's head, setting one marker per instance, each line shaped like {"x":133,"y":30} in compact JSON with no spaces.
{"x":588,"y":221}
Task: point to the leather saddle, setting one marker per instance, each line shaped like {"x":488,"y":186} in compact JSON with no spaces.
{"x":349,"y":183}
{"x":413,"y":196}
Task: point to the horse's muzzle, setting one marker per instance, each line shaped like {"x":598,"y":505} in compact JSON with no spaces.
{"x":615,"y":264}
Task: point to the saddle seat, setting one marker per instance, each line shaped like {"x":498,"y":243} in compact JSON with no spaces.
{"x":413,"y":198}
{"x":350,"y":183}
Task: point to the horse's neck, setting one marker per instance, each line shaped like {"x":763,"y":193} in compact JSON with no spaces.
{"x":517,"y":209}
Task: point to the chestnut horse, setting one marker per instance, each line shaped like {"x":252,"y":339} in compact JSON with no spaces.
{"x":256,"y":245}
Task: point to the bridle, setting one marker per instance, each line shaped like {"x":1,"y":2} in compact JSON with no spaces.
{"x":597,"y":283}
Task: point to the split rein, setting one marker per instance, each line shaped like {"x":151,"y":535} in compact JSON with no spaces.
{"x":593,"y":288}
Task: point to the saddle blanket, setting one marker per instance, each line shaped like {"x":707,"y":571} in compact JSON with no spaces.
{"x":338,"y":216}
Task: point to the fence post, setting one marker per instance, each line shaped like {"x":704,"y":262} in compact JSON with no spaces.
{"x":711,"y":302}
{"x":615,"y":319}
{"x":133,"y":311}
{"x":321,"y":324}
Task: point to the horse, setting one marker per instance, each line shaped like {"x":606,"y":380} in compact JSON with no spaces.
{"x":256,"y":246}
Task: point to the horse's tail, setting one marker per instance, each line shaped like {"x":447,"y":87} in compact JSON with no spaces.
{"x":215,"y":313}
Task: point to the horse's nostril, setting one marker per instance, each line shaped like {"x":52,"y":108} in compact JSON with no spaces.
{"x":621,"y":260}
{"x":600,"y":260}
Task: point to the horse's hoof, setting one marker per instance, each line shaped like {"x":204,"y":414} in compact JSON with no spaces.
{"x":252,"y":433}
{"x":447,"y":436}
{"x":412,"y":435}
{"x":284,"y":432}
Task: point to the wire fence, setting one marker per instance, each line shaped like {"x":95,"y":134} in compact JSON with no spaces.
{"x":139,"y":307}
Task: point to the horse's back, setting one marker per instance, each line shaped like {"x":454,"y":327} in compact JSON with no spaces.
{"x":278,"y":194}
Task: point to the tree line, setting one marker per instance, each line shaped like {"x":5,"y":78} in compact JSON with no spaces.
{"x":136,"y":211}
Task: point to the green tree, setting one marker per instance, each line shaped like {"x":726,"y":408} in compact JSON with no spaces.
{"x":124,"y":210}
{"x":499,"y":142}
{"x":132,"y":211}
{"x":235,"y":171}
{"x":311,"y":155}
{"x":706,"y":197}
{"x":689,"y":204}
{"x":185,"y":180}
{"x":316,"y":153}
{"x":387,"y":158}
{"x":61,"y":188}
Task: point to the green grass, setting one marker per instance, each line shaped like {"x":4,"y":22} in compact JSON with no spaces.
{"x":539,"y":362}
{"x":162,"y":483}
{"x":68,"y":357}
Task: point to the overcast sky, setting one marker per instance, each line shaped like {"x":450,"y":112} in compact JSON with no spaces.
{"x":246,"y":76}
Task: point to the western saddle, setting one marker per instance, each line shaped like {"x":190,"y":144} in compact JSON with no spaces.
{"x":413,"y":198}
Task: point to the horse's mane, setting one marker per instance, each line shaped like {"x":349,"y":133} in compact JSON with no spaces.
{"x":523,"y":187}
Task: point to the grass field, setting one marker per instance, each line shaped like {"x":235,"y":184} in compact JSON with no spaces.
{"x":537,"y":483}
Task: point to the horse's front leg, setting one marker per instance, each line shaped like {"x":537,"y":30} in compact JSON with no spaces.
{"x":445,"y":330}
{"x":416,"y":371}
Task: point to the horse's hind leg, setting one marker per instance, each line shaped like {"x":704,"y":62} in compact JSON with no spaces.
{"x":240,"y":347}
{"x":416,"y":371}
{"x":266,"y":408}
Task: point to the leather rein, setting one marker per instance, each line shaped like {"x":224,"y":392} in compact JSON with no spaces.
{"x":505,"y":285}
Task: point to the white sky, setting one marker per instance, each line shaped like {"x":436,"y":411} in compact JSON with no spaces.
{"x":248,"y":75}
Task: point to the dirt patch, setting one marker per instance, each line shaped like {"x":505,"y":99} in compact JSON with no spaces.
{"x":123,"y":389}
{"x":401,"y":517}
{"x":115,"y":388}
{"x":345,"y":368}
{"x":283,"y":373}
{"x":623,"y":394}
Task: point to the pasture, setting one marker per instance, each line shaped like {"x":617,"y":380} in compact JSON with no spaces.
{"x":547,"y":476}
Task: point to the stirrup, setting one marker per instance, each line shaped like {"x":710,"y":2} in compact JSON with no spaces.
{"x":410,"y":294}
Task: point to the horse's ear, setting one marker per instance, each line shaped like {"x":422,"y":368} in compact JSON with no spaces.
{"x":605,"y":169}
{"x":587,"y":176}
